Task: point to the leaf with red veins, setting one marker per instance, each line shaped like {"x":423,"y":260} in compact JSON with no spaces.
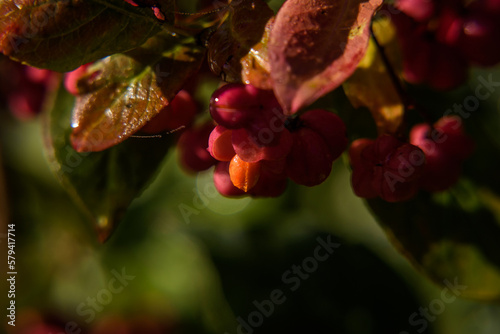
{"x":316,"y":45}
{"x":242,"y":29}
{"x":62,"y":35}
{"x":121,"y":93}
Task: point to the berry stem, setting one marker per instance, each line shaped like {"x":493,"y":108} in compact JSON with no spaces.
{"x":408,"y":102}
{"x":403,"y":95}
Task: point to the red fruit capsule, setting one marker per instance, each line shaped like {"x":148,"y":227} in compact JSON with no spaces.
{"x":249,"y":150}
{"x":420,"y":10}
{"x":330,"y":127}
{"x":220,"y":144}
{"x":387,"y":168}
{"x":71,"y":79}
{"x":445,"y":147}
{"x":310,"y":160}
{"x":236,"y":105}
{"x":192,"y":148}
{"x":269,"y":184}
{"x":223,"y":183}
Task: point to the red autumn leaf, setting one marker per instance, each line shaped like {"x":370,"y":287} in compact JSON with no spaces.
{"x":315,"y":45}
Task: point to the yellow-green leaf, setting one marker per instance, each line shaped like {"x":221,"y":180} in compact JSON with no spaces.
{"x":371,"y":85}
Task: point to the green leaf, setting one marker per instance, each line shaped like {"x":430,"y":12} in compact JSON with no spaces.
{"x":450,"y":236}
{"x":62,"y":35}
{"x":241,"y":30}
{"x":122,"y":92}
{"x":104,"y":183}
{"x":315,"y":45}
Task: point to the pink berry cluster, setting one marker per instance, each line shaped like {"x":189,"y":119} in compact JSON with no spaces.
{"x":396,"y":170}
{"x":446,"y":147}
{"x":256,"y":148}
{"x":24,"y":88}
{"x":440,"y":39}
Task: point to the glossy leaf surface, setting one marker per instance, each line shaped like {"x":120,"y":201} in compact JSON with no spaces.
{"x":104,"y":183}
{"x":119,"y":94}
{"x":62,"y":35}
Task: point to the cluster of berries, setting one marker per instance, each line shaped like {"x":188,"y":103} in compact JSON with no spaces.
{"x":256,"y":148}
{"x":25,"y":88}
{"x":395,"y":170}
{"x":440,"y":39}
